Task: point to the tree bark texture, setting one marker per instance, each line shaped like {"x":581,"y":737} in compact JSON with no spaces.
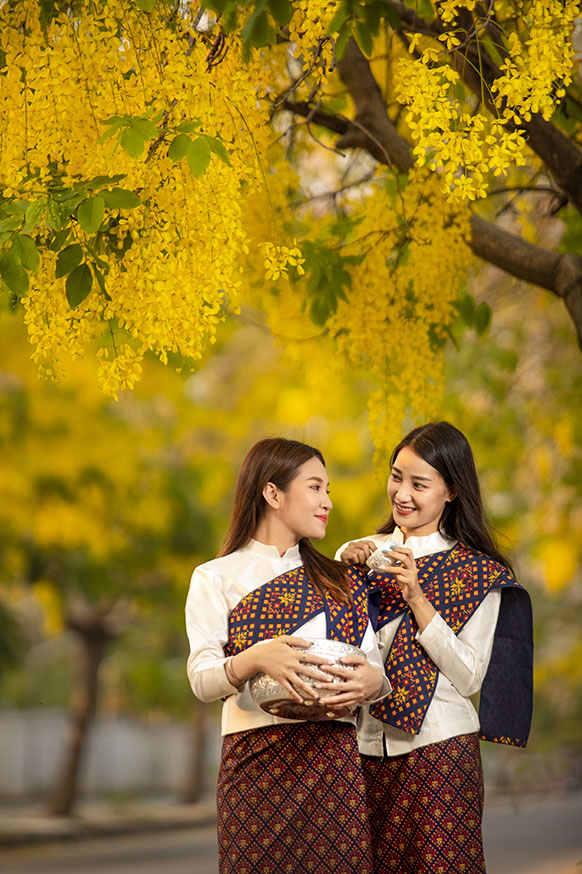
{"x":93,"y":638}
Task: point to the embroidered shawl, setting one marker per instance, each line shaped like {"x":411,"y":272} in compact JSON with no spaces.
{"x":284,"y":604}
{"x":456,"y":581}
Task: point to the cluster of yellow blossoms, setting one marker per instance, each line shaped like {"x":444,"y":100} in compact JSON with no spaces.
{"x":278,"y":259}
{"x":463,"y":145}
{"x":402,"y":299}
{"x":539,"y":64}
{"x":307,"y":31}
{"x":168,"y":263}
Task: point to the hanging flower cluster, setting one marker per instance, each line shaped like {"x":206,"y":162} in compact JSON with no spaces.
{"x":402,"y":299}
{"x":278,"y":259}
{"x":465,"y":146}
{"x":308,"y":33}
{"x":125,"y":158}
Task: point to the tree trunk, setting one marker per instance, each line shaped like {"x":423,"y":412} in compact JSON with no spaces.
{"x":93,"y":637}
{"x":196,"y":778}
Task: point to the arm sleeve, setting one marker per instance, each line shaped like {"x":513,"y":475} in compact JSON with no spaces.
{"x":370,"y":649}
{"x":207,"y":628}
{"x":463,"y":658}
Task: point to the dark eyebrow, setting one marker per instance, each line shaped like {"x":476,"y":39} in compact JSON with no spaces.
{"x":427,"y":479}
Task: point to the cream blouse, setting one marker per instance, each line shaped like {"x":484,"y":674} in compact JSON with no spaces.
{"x":462,"y":660}
{"x":216,"y":588}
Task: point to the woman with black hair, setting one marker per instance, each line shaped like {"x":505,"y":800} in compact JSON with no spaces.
{"x":291,"y":794}
{"x":451,"y":622}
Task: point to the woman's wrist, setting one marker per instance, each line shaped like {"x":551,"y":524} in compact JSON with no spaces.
{"x":422,"y":609}
{"x":231,"y":674}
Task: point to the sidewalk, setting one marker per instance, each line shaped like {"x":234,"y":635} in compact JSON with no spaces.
{"x":29,"y":825}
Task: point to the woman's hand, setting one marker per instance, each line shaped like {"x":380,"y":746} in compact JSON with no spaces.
{"x":406,"y":577}
{"x":357,"y":551}
{"x":364,"y":683}
{"x":283,"y":660}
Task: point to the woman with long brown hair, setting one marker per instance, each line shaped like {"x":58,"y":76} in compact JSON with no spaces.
{"x":290,"y":793}
{"x":451,"y":622}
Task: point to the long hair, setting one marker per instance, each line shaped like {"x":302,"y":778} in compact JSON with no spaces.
{"x":278,"y":460}
{"x":446,"y":449}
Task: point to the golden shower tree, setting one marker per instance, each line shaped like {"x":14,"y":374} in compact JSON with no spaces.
{"x":340,"y":165}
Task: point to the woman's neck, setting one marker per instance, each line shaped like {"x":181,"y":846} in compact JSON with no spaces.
{"x":272,"y":533}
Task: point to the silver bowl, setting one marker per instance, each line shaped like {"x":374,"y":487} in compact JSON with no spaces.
{"x":272,"y":697}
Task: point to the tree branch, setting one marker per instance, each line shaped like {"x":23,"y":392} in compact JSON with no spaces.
{"x":372,"y":123}
{"x":325,"y":119}
{"x":559,"y":273}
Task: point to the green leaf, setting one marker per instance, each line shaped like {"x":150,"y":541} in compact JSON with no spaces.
{"x":79,"y":284}
{"x":132,"y":142}
{"x":372,"y":13}
{"x":10,"y":224}
{"x":13,"y":273}
{"x":257,"y":31}
{"x":338,"y":20}
{"x":482,"y":318}
{"x":59,"y":239}
{"x":281,"y":11}
{"x":19,"y":207}
{"x":25,"y":248}
{"x":327,"y":279}
{"x":392,"y":17}
{"x":114,"y":124}
{"x":217,"y":146}
{"x":342,"y":41}
{"x":64,"y":195}
{"x":465,"y":306}
{"x":55,"y":217}
{"x":34,"y":215}
{"x":179,"y":147}
{"x":145,"y":5}
{"x":187,"y":127}
{"x":363,"y":38}
{"x":90,"y":214}
{"x":68,"y":259}
{"x":145,"y":128}
{"x":157,"y":117}
{"x":97,"y":182}
{"x":120,"y":198}
{"x":455,"y":332}
{"x":199,"y":156}
{"x":100,"y":281}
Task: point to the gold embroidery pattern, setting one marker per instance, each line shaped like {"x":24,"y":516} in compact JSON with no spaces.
{"x":455,"y":583}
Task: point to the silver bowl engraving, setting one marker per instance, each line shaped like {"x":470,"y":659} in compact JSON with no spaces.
{"x":273,"y":698}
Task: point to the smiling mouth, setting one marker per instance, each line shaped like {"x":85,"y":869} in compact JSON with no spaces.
{"x":403,"y":511}
{"x":323,"y":519}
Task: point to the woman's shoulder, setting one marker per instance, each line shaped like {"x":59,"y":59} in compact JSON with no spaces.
{"x":222,"y":565}
{"x":485,"y":563}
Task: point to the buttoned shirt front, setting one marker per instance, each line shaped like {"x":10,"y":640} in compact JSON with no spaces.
{"x":462,"y":660}
{"x":216,"y":588}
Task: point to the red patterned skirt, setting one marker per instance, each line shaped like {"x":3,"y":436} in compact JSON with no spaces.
{"x":292,"y":800}
{"x":426,"y":809}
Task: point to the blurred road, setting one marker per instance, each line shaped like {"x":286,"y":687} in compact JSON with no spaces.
{"x":526,"y":836}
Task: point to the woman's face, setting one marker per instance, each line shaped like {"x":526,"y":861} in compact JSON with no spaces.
{"x":417,"y":493}
{"x":305,"y":506}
